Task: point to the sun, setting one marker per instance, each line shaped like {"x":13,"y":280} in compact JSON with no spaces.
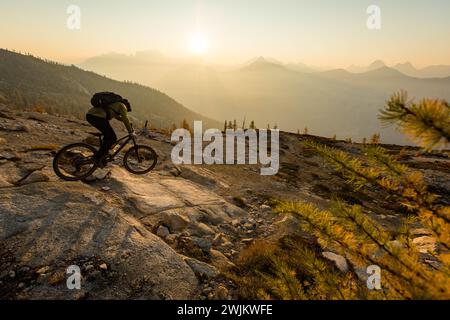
{"x":199,"y":44}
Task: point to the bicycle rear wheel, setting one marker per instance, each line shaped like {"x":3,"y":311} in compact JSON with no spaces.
{"x":74,"y":162}
{"x":140,"y":159}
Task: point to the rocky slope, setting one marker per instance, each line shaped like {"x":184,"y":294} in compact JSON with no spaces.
{"x":167,"y":235}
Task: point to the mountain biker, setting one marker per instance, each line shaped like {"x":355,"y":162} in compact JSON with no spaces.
{"x":99,"y":117}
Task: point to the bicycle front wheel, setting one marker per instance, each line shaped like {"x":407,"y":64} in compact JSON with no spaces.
{"x":140,"y":159}
{"x":75,"y":162}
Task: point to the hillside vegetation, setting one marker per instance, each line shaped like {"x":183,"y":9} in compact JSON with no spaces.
{"x":31,"y":83}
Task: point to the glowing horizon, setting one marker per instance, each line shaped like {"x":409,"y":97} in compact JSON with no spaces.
{"x":321,"y":33}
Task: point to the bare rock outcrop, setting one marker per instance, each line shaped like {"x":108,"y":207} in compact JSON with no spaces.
{"x":45,"y":227}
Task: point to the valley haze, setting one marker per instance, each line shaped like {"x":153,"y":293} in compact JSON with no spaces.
{"x":292,"y":96}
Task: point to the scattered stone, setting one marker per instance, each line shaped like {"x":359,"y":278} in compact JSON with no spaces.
{"x":16,"y":128}
{"x":220,"y":240}
{"x":425,"y":244}
{"x":21,"y":286}
{"x":219,"y":260}
{"x":208,"y":289}
{"x":235,"y":222}
{"x":12,"y":274}
{"x":340,"y":261}
{"x":171,"y":238}
{"x":103,"y":266}
{"x":265,"y":207}
{"x":202,"y":243}
{"x":106,"y":188}
{"x":43,"y":270}
{"x":202,"y":269}
{"x":9,"y":156}
{"x":203,"y":229}
{"x":177,"y":222}
{"x":247,"y":240}
{"x":24,"y":269}
{"x":101,"y":174}
{"x":89,"y":267}
{"x":221,"y":292}
{"x":162,"y":231}
{"x":249,"y":225}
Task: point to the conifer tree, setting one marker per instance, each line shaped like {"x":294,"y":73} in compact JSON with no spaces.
{"x":351,"y":231}
{"x":426,"y":122}
{"x":375,"y":139}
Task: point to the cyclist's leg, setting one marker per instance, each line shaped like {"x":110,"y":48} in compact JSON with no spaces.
{"x":109,"y":136}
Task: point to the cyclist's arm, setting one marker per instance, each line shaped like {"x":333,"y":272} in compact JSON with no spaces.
{"x":124,"y":117}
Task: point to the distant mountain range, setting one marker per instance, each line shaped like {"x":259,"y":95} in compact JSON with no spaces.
{"x":28,"y":82}
{"x":267,"y":91}
{"x":438,"y":71}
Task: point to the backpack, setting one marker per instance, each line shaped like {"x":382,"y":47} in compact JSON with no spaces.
{"x":104,"y":99}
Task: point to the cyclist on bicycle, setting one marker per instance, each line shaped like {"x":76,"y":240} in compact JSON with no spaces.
{"x":108,"y":106}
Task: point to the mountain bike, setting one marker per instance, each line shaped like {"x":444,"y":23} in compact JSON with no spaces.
{"x":75,"y":161}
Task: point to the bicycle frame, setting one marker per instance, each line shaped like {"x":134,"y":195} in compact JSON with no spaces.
{"x":128,"y":138}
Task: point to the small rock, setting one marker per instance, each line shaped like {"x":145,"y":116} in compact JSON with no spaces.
{"x":425,"y":244}
{"x":201,"y":268}
{"x":162,"y":231}
{"x":89,"y":267}
{"x":203,"y":229}
{"x":207,"y":289}
{"x":247,"y":240}
{"x":235,"y":222}
{"x":106,"y":188}
{"x":43,"y":270}
{"x":24,"y":269}
{"x":12,"y":274}
{"x":340,"y":261}
{"x":176,"y":222}
{"x":265,"y":207}
{"x":219,"y":260}
{"x":220,"y":239}
{"x":221,"y":293}
{"x":9,"y":156}
{"x":171,"y":238}
{"x":21,"y":286}
{"x":101,"y":174}
{"x":202,"y":243}
{"x":249,"y":225}
{"x":103,"y":266}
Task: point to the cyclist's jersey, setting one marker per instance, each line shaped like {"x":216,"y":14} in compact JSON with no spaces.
{"x":116,"y":110}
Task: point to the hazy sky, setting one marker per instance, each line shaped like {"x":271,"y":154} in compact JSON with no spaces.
{"x":316,"y":32}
